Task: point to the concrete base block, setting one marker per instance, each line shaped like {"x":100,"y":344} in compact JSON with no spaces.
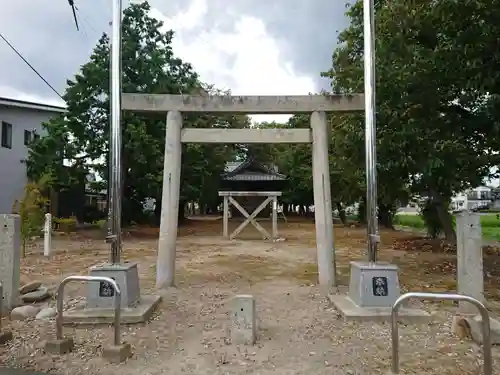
{"x":62,"y":346}
{"x":117,"y":353}
{"x":373,"y":289}
{"x":476,"y":329}
{"x":101,"y":295}
{"x":5,"y":337}
{"x":244,"y":320}
{"x":350,"y":311}
{"x":129,"y":315}
{"x":373,"y":284}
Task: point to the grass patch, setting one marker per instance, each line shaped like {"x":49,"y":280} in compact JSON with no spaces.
{"x":412,"y":221}
{"x":490,"y":224}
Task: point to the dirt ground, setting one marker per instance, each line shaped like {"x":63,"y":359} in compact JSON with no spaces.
{"x":299,"y":332}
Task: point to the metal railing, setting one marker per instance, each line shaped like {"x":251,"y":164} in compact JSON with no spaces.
{"x":488,"y":365}
{"x":60,"y":300}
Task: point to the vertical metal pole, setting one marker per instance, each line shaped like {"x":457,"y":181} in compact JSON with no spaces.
{"x":370,"y":129}
{"x":60,"y":307}
{"x":115,"y":141}
{"x":118,"y":303}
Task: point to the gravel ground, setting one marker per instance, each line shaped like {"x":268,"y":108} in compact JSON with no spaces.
{"x":299,"y":332}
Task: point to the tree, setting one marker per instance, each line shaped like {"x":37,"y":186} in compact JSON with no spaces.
{"x":295,"y":160}
{"x":434,"y":136}
{"x":32,"y":209}
{"x":80,"y":136}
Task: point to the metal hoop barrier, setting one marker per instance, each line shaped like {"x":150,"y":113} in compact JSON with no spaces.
{"x":60,"y":299}
{"x":487,"y":368}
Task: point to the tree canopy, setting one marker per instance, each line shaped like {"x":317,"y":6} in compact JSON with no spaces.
{"x":437,"y":114}
{"x":80,"y":136}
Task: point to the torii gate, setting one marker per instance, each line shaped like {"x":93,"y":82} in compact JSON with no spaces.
{"x":372,"y":285}
{"x":317,"y":134}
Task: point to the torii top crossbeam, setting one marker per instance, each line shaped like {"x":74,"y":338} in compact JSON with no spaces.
{"x":243,"y":104}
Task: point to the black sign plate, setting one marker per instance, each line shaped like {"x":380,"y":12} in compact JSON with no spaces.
{"x":379,"y":286}
{"x":106,"y":289}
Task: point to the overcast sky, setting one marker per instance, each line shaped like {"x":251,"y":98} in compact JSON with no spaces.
{"x":249,"y":46}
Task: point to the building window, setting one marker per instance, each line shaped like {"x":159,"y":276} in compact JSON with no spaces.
{"x":6,"y":135}
{"x":485,"y":195}
{"x":28,"y":137}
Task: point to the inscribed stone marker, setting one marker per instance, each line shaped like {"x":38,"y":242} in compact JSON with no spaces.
{"x":10,"y":258}
{"x":469,"y":260}
{"x":244,"y":322}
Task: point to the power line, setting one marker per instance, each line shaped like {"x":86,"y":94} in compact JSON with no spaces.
{"x":72,"y":5}
{"x":86,"y":19}
{"x":31,"y":66}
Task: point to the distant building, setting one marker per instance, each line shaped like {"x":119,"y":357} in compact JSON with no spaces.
{"x":250,"y":175}
{"x":20,"y":123}
{"x":480,"y":197}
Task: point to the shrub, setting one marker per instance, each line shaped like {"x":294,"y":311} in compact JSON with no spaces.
{"x":66,"y":225}
{"x":32,"y":210}
{"x":102,"y":224}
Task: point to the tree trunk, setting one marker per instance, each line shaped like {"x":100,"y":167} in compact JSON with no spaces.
{"x":286,"y":209}
{"x":309,"y":212}
{"x":157,"y":211}
{"x":385,"y":216}
{"x":362,"y":211}
{"x":445,"y":218}
{"x":212,"y":209}
{"x":342,"y":215}
{"x":181,"y":215}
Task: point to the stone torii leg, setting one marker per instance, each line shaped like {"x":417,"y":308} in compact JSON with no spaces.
{"x":322,"y":201}
{"x":165,"y":262}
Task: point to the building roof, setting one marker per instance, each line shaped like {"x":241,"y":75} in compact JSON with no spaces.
{"x":8,"y":102}
{"x":250,"y":170}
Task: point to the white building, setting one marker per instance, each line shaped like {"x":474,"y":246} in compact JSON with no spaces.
{"x":20,"y":123}
{"x":471,"y":199}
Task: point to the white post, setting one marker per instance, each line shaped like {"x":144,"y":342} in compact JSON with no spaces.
{"x":275,"y":217}
{"x":225,"y":230}
{"x":322,"y":201}
{"x":47,"y":235}
{"x":165,"y":263}
{"x":470,"y":279}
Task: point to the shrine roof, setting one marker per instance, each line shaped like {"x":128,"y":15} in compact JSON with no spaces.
{"x":251,"y":170}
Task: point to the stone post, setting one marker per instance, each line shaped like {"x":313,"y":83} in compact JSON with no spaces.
{"x":225,"y":213}
{"x":322,"y":200}
{"x":244,"y":320}
{"x":275,"y":217}
{"x":469,"y":260}
{"x":470,"y":279}
{"x":10,"y":259}
{"x":165,"y":263}
{"x":47,"y":235}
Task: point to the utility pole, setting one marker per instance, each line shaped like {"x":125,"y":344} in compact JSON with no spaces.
{"x":115,"y":135}
{"x":370,"y":130}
